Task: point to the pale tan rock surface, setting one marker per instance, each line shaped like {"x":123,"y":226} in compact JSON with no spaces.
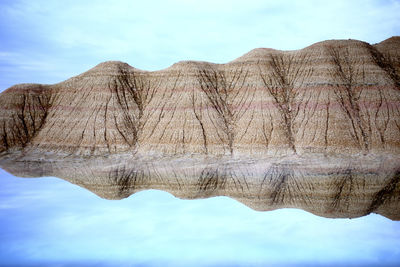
{"x":316,"y":128}
{"x":333,"y":96}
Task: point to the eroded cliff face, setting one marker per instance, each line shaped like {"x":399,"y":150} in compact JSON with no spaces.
{"x":333,"y":96}
{"x":23,"y":113}
{"x":316,"y":129}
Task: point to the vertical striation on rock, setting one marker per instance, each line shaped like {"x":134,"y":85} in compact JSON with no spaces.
{"x":333,"y":96}
{"x":24,"y":110}
{"x":316,"y":128}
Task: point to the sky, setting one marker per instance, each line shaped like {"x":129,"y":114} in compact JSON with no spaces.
{"x":50,"y":222}
{"x":45,"y":41}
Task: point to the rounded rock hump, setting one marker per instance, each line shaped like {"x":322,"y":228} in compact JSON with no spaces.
{"x":110,"y":68}
{"x":190,"y":65}
{"x":255,"y":55}
{"x":325,"y":49}
{"x":99,"y":108}
{"x":338,"y":43}
{"x":100,"y":77}
{"x":390,"y":52}
{"x":392,"y":43}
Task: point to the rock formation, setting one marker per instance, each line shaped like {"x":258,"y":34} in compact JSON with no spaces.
{"x":332,"y":103}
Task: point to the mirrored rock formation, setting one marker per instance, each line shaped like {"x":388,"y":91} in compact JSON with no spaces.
{"x":344,"y":187}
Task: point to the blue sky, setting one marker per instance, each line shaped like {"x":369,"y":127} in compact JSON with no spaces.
{"x":49,"y":41}
{"x":48,"y":221}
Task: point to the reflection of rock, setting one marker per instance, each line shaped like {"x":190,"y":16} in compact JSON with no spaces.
{"x":326,"y":186}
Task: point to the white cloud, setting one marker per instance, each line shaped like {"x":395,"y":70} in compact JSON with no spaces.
{"x":21,"y":62}
{"x":48,"y":41}
{"x":153,"y":226}
{"x":76,"y":35}
{"x":49,"y":220}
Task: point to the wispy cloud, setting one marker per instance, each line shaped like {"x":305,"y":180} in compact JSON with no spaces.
{"x":49,"y":220}
{"x":71,"y":36}
{"x":20,"y":61}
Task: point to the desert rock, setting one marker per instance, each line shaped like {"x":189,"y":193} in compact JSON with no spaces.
{"x":333,"y":96}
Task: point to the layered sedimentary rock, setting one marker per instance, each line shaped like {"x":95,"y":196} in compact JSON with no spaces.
{"x":333,"y":96}
{"x":266,"y":116}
